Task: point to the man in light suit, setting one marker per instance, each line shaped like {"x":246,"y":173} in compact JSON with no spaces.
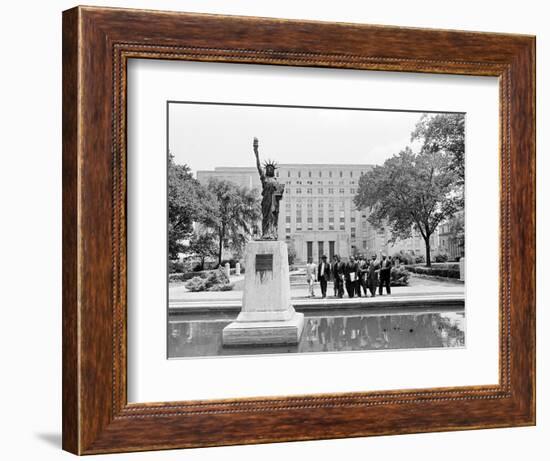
{"x":311,"y":276}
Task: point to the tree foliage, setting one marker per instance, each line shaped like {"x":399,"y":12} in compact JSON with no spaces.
{"x":237,"y":214}
{"x":188,"y":202}
{"x":203,"y":245}
{"x":457,"y":231}
{"x":443,"y":134}
{"x":411,"y":191}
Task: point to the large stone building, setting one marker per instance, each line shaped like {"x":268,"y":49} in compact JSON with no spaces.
{"x":317,"y":214}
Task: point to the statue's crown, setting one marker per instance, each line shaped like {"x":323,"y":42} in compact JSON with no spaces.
{"x":270,"y":163}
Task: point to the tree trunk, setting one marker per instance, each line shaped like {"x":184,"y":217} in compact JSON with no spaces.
{"x":428,"y":260}
{"x":220,"y":248}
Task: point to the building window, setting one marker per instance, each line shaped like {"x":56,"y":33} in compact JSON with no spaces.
{"x":351,"y":174}
{"x":352,"y":191}
{"x":342,"y":190}
{"x":364,"y":244}
{"x":299,"y":174}
{"x":342,"y":227}
{"x":331,"y":219}
{"x":298,"y":182}
{"x":309,"y":204}
{"x":330,"y":174}
{"x":320,"y":174}
{"x":309,"y":174}
{"x":352,"y":219}
{"x":331,"y":226}
{"x":298,"y":219}
{"x":330,"y":190}
{"x":298,"y":190}
{"x":320,"y":190}
{"x":287,"y":206}
{"x":320,"y":204}
{"x":353,"y":232}
{"x":310,"y":219}
{"x":309,"y":190}
{"x":321,"y":220}
{"x":341,"y":174}
{"x":287,"y":219}
{"x":288,"y":174}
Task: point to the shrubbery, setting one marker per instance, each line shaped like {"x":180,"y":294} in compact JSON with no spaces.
{"x":215,"y":280}
{"x":445,"y":270}
{"x":399,"y":277}
{"x":232,"y":262}
{"x":175,"y":266}
{"x":441,"y":258}
{"x":408,"y":258}
{"x":419,"y":259}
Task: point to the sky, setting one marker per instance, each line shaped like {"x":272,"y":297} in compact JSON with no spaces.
{"x":205,"y":136}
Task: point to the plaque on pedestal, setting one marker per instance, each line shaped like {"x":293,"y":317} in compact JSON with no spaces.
{"x":267,"y":315}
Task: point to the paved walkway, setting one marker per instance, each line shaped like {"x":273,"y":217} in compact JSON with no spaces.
{"x":421,"y":291}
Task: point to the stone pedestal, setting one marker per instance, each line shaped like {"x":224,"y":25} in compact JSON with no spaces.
{"x":267,"y":316}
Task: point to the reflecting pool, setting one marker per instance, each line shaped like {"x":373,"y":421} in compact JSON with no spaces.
{"x":196,"y":336}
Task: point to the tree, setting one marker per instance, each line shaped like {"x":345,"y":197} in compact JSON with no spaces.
{"x":411,"y":191}
{"x":456,"y":230}
{"x":443,"y":133}
{"x":203,"y":245}
{"x":291,"y":252}
{"x":237,"y":214}
{"x":188,"y":202}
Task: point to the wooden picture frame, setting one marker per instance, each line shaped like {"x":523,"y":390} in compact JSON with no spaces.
{"x":97,"y":43}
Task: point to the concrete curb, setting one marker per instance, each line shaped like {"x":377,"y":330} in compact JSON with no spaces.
{"x":303,"y":305}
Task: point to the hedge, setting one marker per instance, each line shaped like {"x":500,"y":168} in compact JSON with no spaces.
{"x":440,"y":270}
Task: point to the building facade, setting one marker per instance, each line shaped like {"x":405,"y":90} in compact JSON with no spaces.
{"x":317,"y":214}
{"x":318,"y":217}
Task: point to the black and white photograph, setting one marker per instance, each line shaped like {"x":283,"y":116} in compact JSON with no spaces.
{"x":302,"y":229}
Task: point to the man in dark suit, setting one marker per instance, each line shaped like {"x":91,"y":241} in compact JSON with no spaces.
{"x":372,"y":276}
{"x":323,"y":275}
{"x":385,"y":275}
{"x":337,"y":276}
{"x":351,"y":277}
{"x":362,"y":267}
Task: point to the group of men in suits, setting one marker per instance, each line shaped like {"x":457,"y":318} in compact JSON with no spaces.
{"x":353,"y":275}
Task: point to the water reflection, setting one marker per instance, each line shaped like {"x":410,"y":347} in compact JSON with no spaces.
{"x":203,"y":337}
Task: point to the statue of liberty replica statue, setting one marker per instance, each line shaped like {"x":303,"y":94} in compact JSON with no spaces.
{"x":267,"y":316}
{"x":272,"y":193}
